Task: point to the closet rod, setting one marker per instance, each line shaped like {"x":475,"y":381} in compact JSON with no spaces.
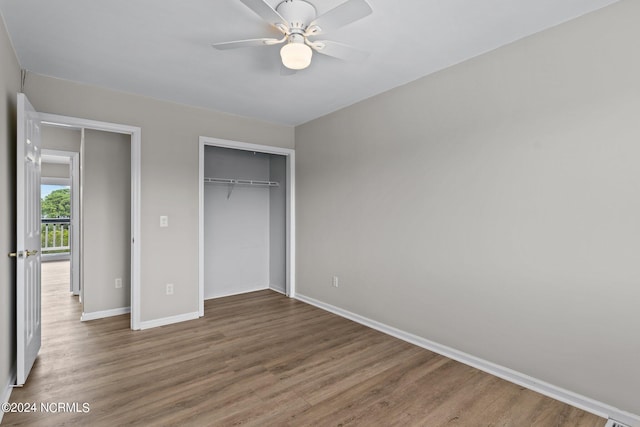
{"x":241,"y":182}
{"x":233,"y":182}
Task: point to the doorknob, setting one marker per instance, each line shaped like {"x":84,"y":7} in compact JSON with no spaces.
{"x":21,"y":254}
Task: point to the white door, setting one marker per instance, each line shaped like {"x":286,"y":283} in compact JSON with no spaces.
{"x":28,"y":322}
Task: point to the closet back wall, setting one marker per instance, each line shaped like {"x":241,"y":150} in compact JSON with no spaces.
{"x":236,"y":247}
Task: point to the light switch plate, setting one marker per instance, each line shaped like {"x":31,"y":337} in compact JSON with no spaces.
{"x":164,"y":221}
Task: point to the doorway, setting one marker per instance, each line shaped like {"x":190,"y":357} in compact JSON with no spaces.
{"x":287,"y":156}
{"x":60,"y":218}
{"x":132,"y":240}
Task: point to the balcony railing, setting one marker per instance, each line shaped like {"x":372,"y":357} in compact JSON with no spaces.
{"x":56,"y":235}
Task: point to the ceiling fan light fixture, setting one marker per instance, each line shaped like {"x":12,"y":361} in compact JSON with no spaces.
{"x":296,"y":56}
{"x":298,"y":20}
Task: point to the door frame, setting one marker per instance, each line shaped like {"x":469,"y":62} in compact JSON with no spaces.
{"x":73,"y":159}
{"x":136,"y":142}
{"x":289,"y":153}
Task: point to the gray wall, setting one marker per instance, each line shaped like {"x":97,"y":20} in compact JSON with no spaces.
{"x":9,"y":87}
{"x":236,"y":230}
{"x":169,"y":183}
{"x":278,"y":223}
{"x":55,"y":170}
{"x":59,"y":138}
{"x":493,"y":207}
{"x":106,"y":216}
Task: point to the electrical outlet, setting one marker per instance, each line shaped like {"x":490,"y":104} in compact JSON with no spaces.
{"x":164,"y":221}
{"x":118,"y":283}
{"x":169,"y":288}
{"x":334,"y":282}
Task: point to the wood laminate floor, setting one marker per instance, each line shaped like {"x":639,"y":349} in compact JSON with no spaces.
{"x":259,"y":359}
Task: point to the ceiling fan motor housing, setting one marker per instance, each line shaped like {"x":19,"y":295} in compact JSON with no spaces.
{"x":298,"y":13}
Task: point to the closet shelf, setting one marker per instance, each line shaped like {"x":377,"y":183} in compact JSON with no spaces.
{"x":233,"y":182}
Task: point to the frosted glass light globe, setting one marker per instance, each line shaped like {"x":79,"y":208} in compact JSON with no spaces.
{"x":296,"y":56}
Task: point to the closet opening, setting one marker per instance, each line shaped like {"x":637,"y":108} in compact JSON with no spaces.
{"x":246,"y":219}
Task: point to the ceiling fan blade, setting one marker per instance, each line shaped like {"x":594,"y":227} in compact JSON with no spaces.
{"x":341,"y":15}
{"x":339,"y":50}
{"x":247,"y":43}
{"x":266,"y":12}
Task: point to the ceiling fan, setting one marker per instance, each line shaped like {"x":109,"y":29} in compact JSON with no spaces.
{"x":297,"y":20}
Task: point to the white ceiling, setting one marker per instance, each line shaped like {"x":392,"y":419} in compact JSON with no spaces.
{"x":162,"y":48}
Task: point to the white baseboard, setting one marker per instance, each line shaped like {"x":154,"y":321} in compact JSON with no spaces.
{"x":586,"y":403}
{"x":232,"y":293}
{"x":8,"y":388}
{"x":148,"y":324}
{"x":615,"y":423}
{"x":275,"y":289}
{"x":105,"y":313}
